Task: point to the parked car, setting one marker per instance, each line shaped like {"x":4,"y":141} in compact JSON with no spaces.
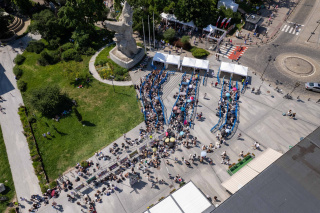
{"x":313,"y":86}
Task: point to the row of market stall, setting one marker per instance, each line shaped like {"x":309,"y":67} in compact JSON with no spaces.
{"x":167,"y":59}
{"x":233,"y":69}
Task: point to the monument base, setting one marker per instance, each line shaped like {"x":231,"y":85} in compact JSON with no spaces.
{"x":123,"y":61}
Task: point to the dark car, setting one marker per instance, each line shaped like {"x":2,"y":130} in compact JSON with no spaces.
{"x":313,"y":86}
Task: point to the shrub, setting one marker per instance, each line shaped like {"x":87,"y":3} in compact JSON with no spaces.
{"x":69,"y":54}
{"x":19,"y":59}
{"x":120,"y":71}
{"x":101,"y":62}
{"x":17,"y":71}
{"x":90,"y":51}
{"x":66,"y":46}
{"x":179,"y":44}
{"x":12,"y":210}
{"x":78,"y":58}
{"x":32,"y":119}
{"x":185,"y":39}
{"x":35,"y":46}
{"x":52,"y":184}
{"x":119,"y":78}
{"x":54,"y":43}
{"x":169,"y":34}
{"x":200,"y":53}
{"x":49,"y":100}
{"x":22,"y":85}
{"x":84,"y":164}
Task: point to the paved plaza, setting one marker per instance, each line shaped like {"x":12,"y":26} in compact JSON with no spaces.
{"x":261,"y":120}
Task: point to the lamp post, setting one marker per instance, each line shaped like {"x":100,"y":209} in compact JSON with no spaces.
{"x":112,"y":77}
{"x":269,"y":59}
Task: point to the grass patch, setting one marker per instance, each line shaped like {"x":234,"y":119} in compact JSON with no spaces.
{"x":5,"y":176}
{"x":105,"y":114}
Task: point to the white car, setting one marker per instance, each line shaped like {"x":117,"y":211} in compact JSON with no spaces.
{"x":313,"y":86}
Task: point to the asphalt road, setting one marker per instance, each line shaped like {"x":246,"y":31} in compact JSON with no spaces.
{"x":257,"y":57}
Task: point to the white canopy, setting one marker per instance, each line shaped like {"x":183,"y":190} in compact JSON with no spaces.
{"x":173,"y":59}
{"x":251,"y":170}
{"x":240,"y":70}
{"x":202,"y":64}
{"x":160,"y":57}
{"x":190,"y":24}
{"x":228,"y":4}
{"x":169,"y":17}
{"x":209,"y":28}
{"x":187,"y":199}
{"x":188,"y":62}
{"x":226,"y":67}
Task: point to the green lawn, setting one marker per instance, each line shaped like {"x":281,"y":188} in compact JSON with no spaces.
{"x":5,"y":175}
{"x":106,"y":114}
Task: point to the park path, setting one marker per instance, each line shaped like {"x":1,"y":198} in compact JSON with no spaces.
{"x":25,"y":180}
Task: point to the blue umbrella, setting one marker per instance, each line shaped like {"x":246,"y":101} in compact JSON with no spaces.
{"x":228,"y":94}
{"x":182,"y":109}
{"x":181,"y":133}
{"x":189,"y":101}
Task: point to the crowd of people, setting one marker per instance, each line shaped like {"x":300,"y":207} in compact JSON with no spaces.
{"x":150,"y":98}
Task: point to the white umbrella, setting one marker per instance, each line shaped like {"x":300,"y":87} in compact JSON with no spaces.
{"x":203,"y":153}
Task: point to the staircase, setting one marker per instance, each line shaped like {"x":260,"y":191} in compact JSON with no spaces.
{"x":16,"y":25}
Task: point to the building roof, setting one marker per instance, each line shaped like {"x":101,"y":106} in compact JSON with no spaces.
{"x":187,"y":199}
{"x":254,"y":19}
{"x":290,"y":184}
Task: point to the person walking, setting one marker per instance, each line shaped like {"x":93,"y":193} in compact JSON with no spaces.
{"x":205,"y":95}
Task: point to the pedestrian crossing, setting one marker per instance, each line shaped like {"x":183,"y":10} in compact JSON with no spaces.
{"x":291,"y":29}
{"x":232,"y":52}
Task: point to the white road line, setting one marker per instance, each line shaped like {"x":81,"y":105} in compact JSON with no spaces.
{"x":285,"y":26}
{"x":298,"y":32}
{"x":287,"y":29}
{"x":290,"y":30}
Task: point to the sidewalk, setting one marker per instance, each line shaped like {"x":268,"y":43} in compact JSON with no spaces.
{"x":25,"y":180}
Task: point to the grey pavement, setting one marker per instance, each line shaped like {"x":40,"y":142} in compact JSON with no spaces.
{"x":261,"y":120}
{"x":25,"y":180}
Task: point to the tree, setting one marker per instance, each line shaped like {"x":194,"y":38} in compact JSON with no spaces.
{"x":23,"y":5}
{"x":169,"y":34}
{"x":185,"y":39}
{"x":202,"y":12}
{"x":47,"y":25}
{"x":4,"y":23}
{"x":49,"y":101}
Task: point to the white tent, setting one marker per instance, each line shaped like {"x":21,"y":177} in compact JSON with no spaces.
{"x":160,"y":57}
{"x":188,"y":62}
{"x":202,"y":64}
{"x":173,"y":59}
{"x":227,"y":67}
{"x":240,"y":70}
{"x":209,"y":28}
{"x":190,"y":24}
{"x":169,"y":17}
{"x":228,"y":4}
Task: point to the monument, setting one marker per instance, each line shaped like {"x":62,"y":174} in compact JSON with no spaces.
{"x":126,"y":53}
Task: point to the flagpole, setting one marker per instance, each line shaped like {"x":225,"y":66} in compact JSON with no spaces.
{"x":154,"y":35}
{"x":144,"y":37}
{"x":149,"y":33}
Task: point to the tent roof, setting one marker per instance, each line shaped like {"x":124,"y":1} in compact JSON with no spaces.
{"x":169,"y":17}
{"x":188,"y":62}
{"x":161,"y":57}
{"x":226,"y":67}
{"x":251,"y":170}
{"x":190,"y":24}
{"x":173,"y":59}
{"x":202,"y":64}
{"x":187,"y":199}
{"x":209,"y":28}
{"x":240,"y":70}
{"x":228,"y":4}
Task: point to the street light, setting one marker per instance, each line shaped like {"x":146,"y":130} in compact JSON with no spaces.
{"x":269,"y":59}
{"x":112,"y":77}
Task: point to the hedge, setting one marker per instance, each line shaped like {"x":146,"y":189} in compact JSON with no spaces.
{"x":19,"y":59}
{"x":199,"y":52}
{"x":22,"y":85}
{"x":17,"y":72}
{"x":69,"y":54}
{"x":35,"y":46}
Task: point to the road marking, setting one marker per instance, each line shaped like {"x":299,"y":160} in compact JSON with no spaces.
{"x":285,"y":26}
{"x":298,"y":32}
{"x":287,"y":29}
{"x":290,"y":30}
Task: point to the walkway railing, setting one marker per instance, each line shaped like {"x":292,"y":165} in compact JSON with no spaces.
{"x":219,"y":108}
{"x":236,"y":110}
{"x":226,"y":117}
{"x":143,"y":83}
{"x":177,"y":97}
{"x":230,"y":83}
{"x":195,"y":98}
{"x":185,"y":105}
{"x":218,"y":75}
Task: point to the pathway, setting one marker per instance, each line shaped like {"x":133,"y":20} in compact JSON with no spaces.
{"x":25,"y":180}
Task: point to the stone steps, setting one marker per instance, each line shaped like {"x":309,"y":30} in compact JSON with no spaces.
{"x":17,"y":25}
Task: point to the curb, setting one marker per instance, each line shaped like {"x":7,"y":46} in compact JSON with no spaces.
{"x":95,"y":74}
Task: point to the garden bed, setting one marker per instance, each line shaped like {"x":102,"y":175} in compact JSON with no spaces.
{"x":236,"y":167}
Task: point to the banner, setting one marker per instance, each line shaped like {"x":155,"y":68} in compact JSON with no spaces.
{"x":223,"y":22}
{"x":218,"y":21}
{"x":228,"y":22}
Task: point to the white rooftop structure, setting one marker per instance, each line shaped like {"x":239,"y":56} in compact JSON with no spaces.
{"x":251,"y":170}
{"x":187,"y":199}
{"x":240,"y":70}
{"x":209,"y":28}
{"x":202,"y":64}
{"x":228,"y":4}
{"x":188,"y":62}
{"x":226,"y":67}
{"x":160,"y":57}
{"x":171,"y":17}
{"x":173,"y":59}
